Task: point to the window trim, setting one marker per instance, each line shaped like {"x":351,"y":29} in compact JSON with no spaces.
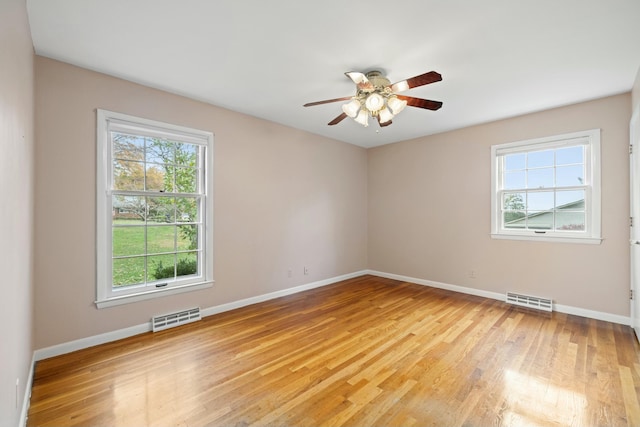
{"x":104,"y":296}
{"x":592,"y":234}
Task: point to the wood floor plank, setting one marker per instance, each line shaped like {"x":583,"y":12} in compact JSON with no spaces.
{"x":366,"y":351}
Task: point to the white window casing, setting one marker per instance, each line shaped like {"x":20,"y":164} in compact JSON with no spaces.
{"x":200,"y":146}
{"x":543,"y":222}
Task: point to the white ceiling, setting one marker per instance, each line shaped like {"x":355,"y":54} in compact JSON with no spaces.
{"x":266,"y":58}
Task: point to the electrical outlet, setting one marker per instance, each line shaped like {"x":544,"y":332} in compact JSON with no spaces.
{"x":289,"y":273}
{"x":472,"y":274}
{"x":306,"y":270}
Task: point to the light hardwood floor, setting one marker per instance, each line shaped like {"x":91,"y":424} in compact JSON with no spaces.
{"x":365,"y":352}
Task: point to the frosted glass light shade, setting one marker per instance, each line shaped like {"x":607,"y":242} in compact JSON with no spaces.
{"x":396,"y":104}
{"x":362,"y":118}
{"x":385,"y":115}
{"x":374,"y":102}
{"x":351,"y":108}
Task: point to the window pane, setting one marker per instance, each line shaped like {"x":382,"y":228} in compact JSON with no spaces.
{"x":186,"y":209}
{"x":128,"y":241}
{"x":515,"y":161}
{"x":187,"y":264}
{"x":161,"y":238}
{"x":127,"y":147}
{"x":570,"y":221}
{"x":161,"y":209}
{"x":186,"y":154}
{"x":540,"y":220}
{"x":539,"y":159}
{"x":513,"y":180}
{"x":514,"y":219}
{"x":187,"y":237}
{"x":513,"y":201}
{"x":155,"y":178}
{"x":169,"y":177}
{"x":570,"y":155}
{"x":569,"y":175}
{"x":128,"y":175}
{"x":540,"y":178}
{"x":573,"y":200}
{"x":160,"y":151}
{"x":128,"y":271}
{"x":540,"y":201}
{"x":186,"y":180}
{"x":128,"y":210}
{"x":161,"y":267}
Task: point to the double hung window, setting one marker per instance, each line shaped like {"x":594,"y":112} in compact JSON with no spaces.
{"x":154,"y":209}
{"x":547,"y":188}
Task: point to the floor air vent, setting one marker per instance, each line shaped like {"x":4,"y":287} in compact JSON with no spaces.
{"x":167,"y":321}
{"x":529,"y":301}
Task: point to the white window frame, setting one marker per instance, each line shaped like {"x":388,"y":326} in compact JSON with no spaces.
{"x":592,"y":233}
{"x":106,"y":296}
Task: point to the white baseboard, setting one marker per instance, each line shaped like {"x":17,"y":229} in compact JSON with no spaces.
{"x":26,"y":401}
{"x":439,"y":285}
{"x":68,"y":347}
{"x":82,"y":343}
{"x":598,"y":315}
{"x":79,"y":344}
{"x":290,"y":291}
{"x":567,"y":309}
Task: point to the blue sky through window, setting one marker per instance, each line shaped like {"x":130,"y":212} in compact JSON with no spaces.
{"x":561,"y":167}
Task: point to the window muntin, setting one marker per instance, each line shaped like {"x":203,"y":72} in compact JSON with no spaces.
{"x":547,"y":188}
{"x":155,"y":219}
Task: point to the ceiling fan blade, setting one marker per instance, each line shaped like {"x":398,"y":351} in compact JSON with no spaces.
{"x":387,"y":123}
{"x":421,"y":80}
{"x":338,"y":119}
{"x":326,"y":101}
{"x":427,"y":104}
{"x":359,"y":79}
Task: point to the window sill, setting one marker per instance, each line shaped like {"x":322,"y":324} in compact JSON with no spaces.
{"x":126,"y":299}
{"x":558,"y":239}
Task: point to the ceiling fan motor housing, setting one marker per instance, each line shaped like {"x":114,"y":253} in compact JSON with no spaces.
{"x":378,"y":80}
{"x":374,"y":96}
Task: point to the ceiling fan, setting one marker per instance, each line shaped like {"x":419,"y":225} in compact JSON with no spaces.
{"x":376,"y":97}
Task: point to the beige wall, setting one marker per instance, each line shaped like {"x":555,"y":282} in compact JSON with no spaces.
{"x":16,"y":170}
{"x":283,"y":199}
{"x":429,"y":212}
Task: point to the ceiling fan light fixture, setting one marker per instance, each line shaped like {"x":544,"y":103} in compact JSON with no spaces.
{"x":385,"y":115}
{"x":396,"y":105}
{"x":376,"y":97}
{"x":351,"y":108}
{"x":362,"y":118}
{"x":374,"y":102}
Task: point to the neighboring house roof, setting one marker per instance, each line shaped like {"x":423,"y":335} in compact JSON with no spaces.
{"x":572,"y":215}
